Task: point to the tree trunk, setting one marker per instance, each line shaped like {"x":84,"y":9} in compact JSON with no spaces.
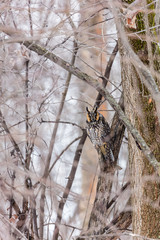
{"x":140,"y":109}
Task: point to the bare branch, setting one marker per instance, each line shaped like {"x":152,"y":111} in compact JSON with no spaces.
{"x":117,"y":195}
{"x":69,"y":184}
{"x":52,"y":142}
{"x":94,"y":83}
{"x":15,"y":145}
{"x":107,"y":73}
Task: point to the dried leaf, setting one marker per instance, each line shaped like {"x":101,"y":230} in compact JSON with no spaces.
{"x":13,"y":218}
{"x":131,"y":18}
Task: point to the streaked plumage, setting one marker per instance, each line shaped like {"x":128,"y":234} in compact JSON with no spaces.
{"x":99,"y":133}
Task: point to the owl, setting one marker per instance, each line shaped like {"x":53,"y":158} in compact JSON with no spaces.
{"x":98,"y":131}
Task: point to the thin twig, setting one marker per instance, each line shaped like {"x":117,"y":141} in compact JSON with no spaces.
{"x":107,"y":73}
{"x":15,"y":145}
{"x":27,"y":158}
{"x":30,"y":17}
{"x":64,"y":122}
{"x":117,"y":195}
{"x":64,"y":150}
{"x":122,"y":221}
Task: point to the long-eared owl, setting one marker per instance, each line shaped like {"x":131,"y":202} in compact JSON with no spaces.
{"x":99,"y":133}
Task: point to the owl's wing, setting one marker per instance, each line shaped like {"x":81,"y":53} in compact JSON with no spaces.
{"x":106,"y":151}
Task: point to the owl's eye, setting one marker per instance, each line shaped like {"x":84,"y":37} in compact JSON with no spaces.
{"x":97,"y":116}
{"x":88,"y":117}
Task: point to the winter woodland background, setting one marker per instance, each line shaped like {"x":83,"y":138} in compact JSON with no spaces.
{"x":55,"y":57}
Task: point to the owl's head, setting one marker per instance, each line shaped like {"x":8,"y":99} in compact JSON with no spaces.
{"x":92,"y":116}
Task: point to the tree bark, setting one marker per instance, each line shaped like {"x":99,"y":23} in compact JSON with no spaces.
{"x":140,"y":109}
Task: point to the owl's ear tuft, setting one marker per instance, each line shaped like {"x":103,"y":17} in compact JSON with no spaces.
{"x":87,"y":110}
